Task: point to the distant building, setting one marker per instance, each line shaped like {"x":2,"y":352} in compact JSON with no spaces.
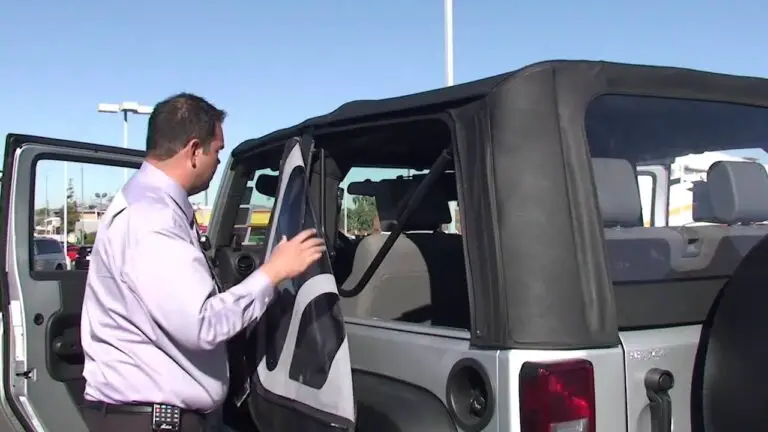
{"x":89,"y":220}
{"x":49,"y":227}
{"x":255,"y":217}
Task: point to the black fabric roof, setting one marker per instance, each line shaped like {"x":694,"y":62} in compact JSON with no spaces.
{"x":635,"y":78}
{"x":425,"y":102}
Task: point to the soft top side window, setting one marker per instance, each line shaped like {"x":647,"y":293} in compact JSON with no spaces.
{"x":717,"y":198}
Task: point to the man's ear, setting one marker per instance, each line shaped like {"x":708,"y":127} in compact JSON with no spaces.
{"x":194,"y":147}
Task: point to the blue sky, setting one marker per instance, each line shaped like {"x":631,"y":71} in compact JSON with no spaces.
{"x":271,"y":64}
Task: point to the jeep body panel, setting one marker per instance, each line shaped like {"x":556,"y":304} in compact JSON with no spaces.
{"x":422,"y":365}
{"x":670,"y":349}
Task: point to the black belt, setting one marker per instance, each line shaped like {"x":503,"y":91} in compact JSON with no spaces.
{"x":138,"y":408}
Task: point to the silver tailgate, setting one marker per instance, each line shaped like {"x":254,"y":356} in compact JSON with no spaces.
{"x":672,"y":349}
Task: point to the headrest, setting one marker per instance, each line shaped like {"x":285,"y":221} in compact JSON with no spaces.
{"x":446,"y":182}
{"x":701,"y":210}
{"x":617,"y":192}
{"x":738,"y":192}
{"x":392,"y":194}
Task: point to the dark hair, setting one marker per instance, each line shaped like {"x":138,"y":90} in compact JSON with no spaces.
{"x":179,"y":119}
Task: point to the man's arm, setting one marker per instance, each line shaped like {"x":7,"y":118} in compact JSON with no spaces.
{"x":172,"y":279}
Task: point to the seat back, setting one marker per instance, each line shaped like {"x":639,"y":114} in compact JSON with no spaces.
{"x":422,"y":278}
{"x":634,"y":252}
{"x":734,"y":196}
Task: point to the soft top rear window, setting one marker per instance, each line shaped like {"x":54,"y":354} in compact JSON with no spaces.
{"x":701,"y":164}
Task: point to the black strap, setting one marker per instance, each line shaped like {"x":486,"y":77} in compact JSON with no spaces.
{"x":239,"y":372}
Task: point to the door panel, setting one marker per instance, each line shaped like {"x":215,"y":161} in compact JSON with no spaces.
{"x":303,"y":378}
{"x":43,"y":358}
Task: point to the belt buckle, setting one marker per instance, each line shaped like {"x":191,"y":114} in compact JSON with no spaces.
{"x":166,"y":418}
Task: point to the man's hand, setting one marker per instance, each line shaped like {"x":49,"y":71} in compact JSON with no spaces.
{"x":291,"y":257}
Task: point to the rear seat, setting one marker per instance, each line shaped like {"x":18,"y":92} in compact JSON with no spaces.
{"x":423,"y":277}
{"x":634,"y":253}
{"x":735,"y":194}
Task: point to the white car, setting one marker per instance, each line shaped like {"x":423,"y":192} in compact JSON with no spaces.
{"x":48,"y":254}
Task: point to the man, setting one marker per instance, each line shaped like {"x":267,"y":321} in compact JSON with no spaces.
{"x":154,"y":325}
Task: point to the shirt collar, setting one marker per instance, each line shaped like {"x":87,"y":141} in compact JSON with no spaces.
{"x":160,"y":179}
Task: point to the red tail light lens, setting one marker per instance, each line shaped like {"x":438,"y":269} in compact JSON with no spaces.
{"x":557,"y":397}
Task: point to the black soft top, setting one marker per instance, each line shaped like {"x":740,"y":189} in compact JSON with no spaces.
{"x":573,"y":77}
{"x":521,"y":152}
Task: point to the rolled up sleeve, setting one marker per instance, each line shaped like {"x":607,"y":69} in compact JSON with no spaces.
{"x":172,"y":279}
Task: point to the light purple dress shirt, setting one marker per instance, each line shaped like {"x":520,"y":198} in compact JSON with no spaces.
{"x":154,"y":326}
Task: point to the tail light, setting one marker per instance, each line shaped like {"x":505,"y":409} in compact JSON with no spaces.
{"x":557,"y":397}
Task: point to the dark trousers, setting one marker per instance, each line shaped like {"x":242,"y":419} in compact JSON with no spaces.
{"x":103,"y":421}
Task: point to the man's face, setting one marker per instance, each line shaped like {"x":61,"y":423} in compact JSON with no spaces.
{"x":206,"y":162}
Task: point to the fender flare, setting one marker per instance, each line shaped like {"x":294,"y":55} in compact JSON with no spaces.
{"x":387,"y":404}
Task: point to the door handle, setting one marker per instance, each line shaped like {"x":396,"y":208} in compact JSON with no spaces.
{"x":658,"y":382}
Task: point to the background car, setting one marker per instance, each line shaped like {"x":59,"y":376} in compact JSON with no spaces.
{"x":83,"y":258}
{"x":49,"y":255}
{"x":72,"y":251}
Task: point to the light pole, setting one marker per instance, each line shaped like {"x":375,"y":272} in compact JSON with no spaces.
{"x":100,"y":197}
{"x":448,"y":12}
{"x":448,"y":34}
{"x":65,"y":209}
{"x":125,"y":108}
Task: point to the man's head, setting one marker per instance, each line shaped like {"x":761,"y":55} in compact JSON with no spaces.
{"x":184,"y":138}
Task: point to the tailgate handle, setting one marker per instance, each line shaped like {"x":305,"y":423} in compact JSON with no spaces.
{"x":658,"y":382}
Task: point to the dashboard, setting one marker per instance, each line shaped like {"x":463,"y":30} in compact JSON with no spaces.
{"x":235,"y":263}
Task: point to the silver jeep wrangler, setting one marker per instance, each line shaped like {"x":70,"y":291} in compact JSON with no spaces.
{"x":567,"y":301}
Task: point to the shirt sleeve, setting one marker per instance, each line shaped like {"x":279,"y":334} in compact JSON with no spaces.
{"x":171,"y":277}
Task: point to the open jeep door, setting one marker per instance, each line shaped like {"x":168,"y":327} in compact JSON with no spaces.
{"x":302,"y":379}
{"x":42,"y":356}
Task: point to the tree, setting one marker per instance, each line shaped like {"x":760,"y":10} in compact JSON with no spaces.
{"x":41,"y":214}
{"x":72,"y":214}
{"x":362,"y":214}
{"x":89,"y":238}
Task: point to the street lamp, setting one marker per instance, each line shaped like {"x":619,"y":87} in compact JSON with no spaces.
{"x":125,"y":108}
{"x":100,"y":197}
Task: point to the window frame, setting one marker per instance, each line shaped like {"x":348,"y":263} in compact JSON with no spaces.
{"x":109,"y":160}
